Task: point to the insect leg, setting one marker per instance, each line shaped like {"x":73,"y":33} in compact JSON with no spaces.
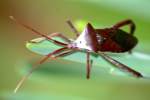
{"x":88,"y":66}
{"x":126,"y":22}
{"x":89,"y":62}
{"x":36,"y":66}
{"x":73,"y":27}
{"x":53,"y":35}
{"x":53,"y":53}
{"x":36,"y":32}
{"x":61,"y":36}
{"x":120,"y":65}
{"x":65,"y":53}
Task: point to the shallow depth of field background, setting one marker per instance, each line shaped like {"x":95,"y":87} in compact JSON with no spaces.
{"x":60,"y":79}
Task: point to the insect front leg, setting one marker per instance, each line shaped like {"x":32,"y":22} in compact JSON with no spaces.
{"x":37,"y":66}
{"x":120,"y":66}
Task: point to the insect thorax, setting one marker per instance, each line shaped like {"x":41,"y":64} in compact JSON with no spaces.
{"x":84,"y":41}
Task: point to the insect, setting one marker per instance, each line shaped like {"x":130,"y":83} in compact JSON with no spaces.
{"x":111,"y":39}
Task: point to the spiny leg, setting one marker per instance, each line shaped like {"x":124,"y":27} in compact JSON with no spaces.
{"x":36,"y":66}
{"x":36,"y":32}
{"x":73,"y":28}
{"x":126,"y":22}
{"x":120,"y":65}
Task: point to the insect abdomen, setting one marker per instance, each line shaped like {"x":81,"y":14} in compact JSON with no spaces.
{"x":110,"y":46}
{"x":124,"y":40}
{"x":119,"y":42}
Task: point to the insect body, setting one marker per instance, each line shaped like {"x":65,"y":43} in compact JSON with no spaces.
{"x":91,"y":40}
{"x":106,"y":40}
{"x":117,"y":40}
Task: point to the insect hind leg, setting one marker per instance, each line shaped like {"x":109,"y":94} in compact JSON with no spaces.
{"x":120,"y":66}
{"x":124,"y":23}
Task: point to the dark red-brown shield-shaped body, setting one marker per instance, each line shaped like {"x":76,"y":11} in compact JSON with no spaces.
{"x":105,"y":40}
{"x":116,"y":40}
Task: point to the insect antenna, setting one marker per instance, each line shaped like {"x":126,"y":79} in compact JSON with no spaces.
{"x":36,"y":32}
{"x":37,"y":65}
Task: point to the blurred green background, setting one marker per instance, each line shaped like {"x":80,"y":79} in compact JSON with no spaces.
{"x":61,"y":79}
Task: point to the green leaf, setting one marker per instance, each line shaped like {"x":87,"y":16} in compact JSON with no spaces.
{"x":43,"y":47}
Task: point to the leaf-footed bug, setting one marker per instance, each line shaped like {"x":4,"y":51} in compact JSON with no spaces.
{"x":91,"y":40}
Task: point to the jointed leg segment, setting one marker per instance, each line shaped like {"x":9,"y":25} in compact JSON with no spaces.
{"x":126,"y":22}
{"x":88,"y":66}
{"x":73,"y":28}
{"x":66,"y":51}
{"x":59,"y":35}
{"x":37,"y":65}
{"x":53,"y":53}
{"x":120,"y":65}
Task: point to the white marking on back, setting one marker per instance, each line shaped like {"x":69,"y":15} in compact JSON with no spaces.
{"x":82,"y":41}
